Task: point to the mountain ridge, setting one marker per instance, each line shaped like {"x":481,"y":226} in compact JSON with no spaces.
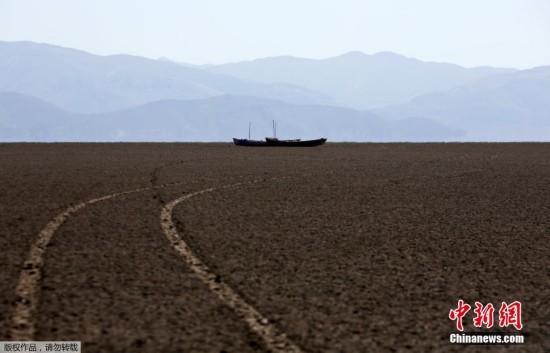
{"x":359,"y":80}
{"x":87,"y":83}
{"x":448,"y":101}
{"x":211,"y":120}
{"x":508,"y":107}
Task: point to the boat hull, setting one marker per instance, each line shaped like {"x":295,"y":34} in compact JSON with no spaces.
{"x":295,"y":143}
{"x":273,"y":142}
{"x":250,"y":143}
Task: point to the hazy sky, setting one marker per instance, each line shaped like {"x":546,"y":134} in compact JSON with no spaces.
{"x":508,"y":33}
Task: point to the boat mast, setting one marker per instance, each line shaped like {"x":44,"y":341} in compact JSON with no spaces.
{"x":274,"y":129}
{"x":249,"y":124}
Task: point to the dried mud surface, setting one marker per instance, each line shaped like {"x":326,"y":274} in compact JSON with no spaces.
{"x":344,"y":247}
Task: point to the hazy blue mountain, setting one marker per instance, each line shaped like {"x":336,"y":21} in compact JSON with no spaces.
{"x":81,"y":82}
{"x":211,"y":119}
{"x":356,"y":79}
{"x":24,"y":118}
{"x":509,"y":107}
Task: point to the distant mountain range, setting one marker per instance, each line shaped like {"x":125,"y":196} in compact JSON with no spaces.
{"x":24,"y":118}
{"x":58,"y":94}
{"x":509,"y":107}
{"x":358,"y":80}
{"x":85,"y":83}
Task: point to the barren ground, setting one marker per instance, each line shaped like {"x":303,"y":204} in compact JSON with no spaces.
{"x":344,"y":247}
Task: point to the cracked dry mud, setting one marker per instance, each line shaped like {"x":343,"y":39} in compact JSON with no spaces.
{"x":344,"y":248}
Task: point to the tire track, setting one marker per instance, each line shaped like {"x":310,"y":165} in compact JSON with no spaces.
{"x":23,"y":326}
{"x":275,"y":340}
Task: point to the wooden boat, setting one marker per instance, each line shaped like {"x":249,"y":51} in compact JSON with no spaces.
{"x":247,"y":142}
{"x":273,"y":141}
{"x":258,"y":143}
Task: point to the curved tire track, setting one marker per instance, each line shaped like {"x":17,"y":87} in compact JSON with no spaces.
{"x":23,"y":325}
{"x":275,"y":340}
